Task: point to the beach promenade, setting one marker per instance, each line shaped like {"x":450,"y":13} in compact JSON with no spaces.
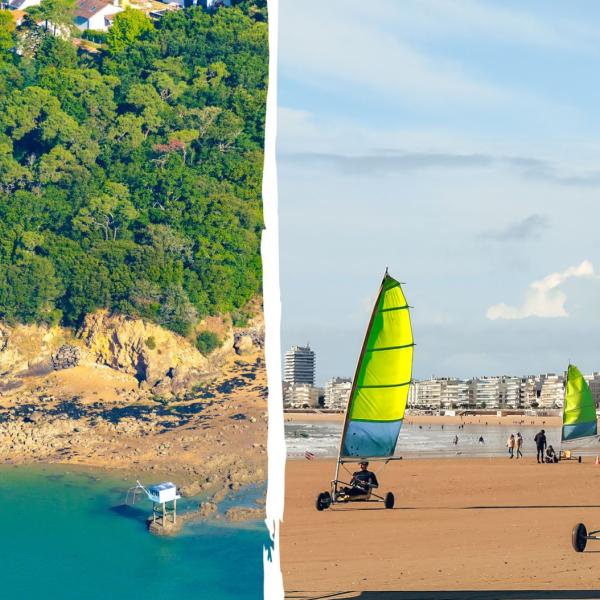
{"x":467,"y":524}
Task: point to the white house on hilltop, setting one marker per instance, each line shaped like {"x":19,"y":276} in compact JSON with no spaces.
{"x":95,"y":14}
{"x":22,"y":4}
{"x":215,"y":3}
{"x":207,"y":4}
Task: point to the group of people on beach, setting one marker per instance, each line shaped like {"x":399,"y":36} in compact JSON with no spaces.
{"x":545,"y":452}
{"x":515,"y":443}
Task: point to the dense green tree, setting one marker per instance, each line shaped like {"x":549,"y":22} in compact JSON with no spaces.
{"x":130,"y":178}
{"x":127,"y":27}
{"x":7,"y":28}
{"x":207,"y":341}
{"x":57,"y":15}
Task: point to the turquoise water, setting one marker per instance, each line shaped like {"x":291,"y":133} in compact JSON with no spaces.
{"x":67,"y":536}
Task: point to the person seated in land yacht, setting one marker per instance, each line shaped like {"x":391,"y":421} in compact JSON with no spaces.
{"x":361,"y":484}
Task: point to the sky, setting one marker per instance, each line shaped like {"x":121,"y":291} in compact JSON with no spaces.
{"x":456,"y":142}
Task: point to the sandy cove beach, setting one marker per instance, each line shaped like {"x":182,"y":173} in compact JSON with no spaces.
{"x":469,"y":524}
{"x":314,"y":417}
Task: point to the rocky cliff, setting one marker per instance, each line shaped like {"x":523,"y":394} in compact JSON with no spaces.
{"x":161,"y":361}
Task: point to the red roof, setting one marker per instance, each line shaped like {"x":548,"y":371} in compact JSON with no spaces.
{"x":86,"y":9}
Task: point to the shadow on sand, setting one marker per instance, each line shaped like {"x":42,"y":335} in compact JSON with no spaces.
{"x":349,"y":507}
{"x":130,"y":512}
{"x":451,"y":595}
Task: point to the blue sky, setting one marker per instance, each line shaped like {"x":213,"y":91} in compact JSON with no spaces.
{"x":456,"y":142}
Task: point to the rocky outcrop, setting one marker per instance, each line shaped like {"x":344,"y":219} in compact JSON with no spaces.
{"x":159,"y":359}
{"x":207,"y":509}
{"x":65,"y":357}
{"x":163,"y":362}
{"x":237,"y":514}
{"x":23,"y":347}
{"x":250,"y":339}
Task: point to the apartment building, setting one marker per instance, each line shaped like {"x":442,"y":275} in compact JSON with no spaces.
{"x":299,"y":365}
{"x":301,"y":395}
{"x":337,"y":393}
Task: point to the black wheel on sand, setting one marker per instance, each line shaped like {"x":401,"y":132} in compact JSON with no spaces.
{"x":389,"y":500}
{"x":323,"y":501}
{"x":579,"y":537}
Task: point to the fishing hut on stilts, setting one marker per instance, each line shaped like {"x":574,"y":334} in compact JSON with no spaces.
{"x":163,"y":496}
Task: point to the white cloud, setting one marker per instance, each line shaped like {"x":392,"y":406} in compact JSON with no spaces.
{"x":387,"y":47}
{"x":542,"y":298}
{"x":300,"y":130}
{"x":326,"y":43}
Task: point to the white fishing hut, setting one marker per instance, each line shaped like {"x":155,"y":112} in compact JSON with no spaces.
{"x":163,"y":492}
{"x":160,"y":494}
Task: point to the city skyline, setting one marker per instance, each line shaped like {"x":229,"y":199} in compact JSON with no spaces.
{"x":324,"y":380}
{"x":474,"y":180}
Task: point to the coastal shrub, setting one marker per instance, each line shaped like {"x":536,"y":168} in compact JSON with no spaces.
{"x":207,"y":341}
{"x":94,"y":35}
{"x":239,"y":319}
{"x":151,"y":343}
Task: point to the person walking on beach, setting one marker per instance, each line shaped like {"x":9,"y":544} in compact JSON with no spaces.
{"x":511,"y":445}
{"x":540,"y":443}
{"x":519,"y":445}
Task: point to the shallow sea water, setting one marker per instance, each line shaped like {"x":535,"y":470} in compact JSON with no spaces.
{"x":322,"y":439}
{"x":68,"y":536}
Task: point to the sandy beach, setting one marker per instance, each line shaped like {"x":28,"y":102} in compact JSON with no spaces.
{"x":470,"y":524}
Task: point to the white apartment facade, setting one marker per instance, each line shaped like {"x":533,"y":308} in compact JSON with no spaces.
{"x":299,"y":365}
{"x":441,"y":393}
{"x":552,"y":391}
{"x":337,"y":393}
{"x":301,"y":395}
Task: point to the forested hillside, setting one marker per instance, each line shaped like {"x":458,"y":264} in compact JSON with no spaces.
{"x":130,"y":177}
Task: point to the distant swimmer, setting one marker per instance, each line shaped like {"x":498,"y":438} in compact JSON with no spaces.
{"x":481,"y":440}
{"x":540,"y":443}
{"x":455,"y":442}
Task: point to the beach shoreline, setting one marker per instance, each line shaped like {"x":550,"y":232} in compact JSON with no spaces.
{"x":211,"y":443}
{"x":538,"y":420}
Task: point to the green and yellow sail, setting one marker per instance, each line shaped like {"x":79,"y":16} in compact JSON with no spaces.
{"x":381,"y":383}
{"x":579,"y":410}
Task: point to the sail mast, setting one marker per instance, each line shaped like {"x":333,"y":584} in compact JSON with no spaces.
{"x":356,"y":372}
{"x":375,"y":410}
{"x":562,"y":431}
